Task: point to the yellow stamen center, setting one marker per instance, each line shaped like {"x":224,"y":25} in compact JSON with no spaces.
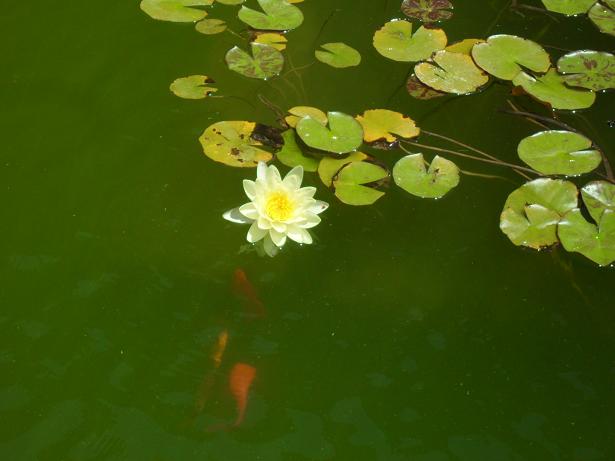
{"x":279,"y":207}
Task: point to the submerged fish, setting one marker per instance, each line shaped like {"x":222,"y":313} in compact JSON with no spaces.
{"x":245,"y":290}
{"x":240,"y":382}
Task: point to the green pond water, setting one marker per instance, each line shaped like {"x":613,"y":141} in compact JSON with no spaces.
{"x":411,"y":330}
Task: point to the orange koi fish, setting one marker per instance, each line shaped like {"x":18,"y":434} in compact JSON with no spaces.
{"x":218,"y":351}
{"x":240,"y":380}
{"x":245,"y":290}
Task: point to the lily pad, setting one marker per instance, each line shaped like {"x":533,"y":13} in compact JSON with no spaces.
{"x":603,"y":16}
{"x":505,"y":56}
{"x":382,"y":124}
{"x":193,"y":87}
{"x":278,"y":41}
{"x":291,"y":154}
{"x":531,"y":213}
{"x":350,"y":183}
{"x":338,"y":55}
{"x":344,"y":133}
{"x":175,"y":10}
{"x":276,"y":15}
{"x":552,"y":90}
{"x":328,"y":167}
{"x":264,"y":63}
{"x":464,"y":46}
{"x":568,"y":7}
{"x":411,"y":175}
{"x":593,"y":70}
{"x":451,"y":73}
{"x":298,"y":112}
{"x":210,"y":26}
{"x":230,"y":2}
{"x":599,"y":197}
{"x":594,"y":242}
{"x":396,"y":41}
{"x":419,"y":90}
{"x":230,"y":143}
{"x":428,"y":10}
{"x":559,"y":153}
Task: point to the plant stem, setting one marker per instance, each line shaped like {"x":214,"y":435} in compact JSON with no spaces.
{"x":531,"y":120}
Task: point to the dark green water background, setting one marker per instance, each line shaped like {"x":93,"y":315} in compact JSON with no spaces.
{"x":412,"y":330}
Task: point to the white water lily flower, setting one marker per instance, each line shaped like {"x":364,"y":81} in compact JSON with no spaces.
{"x":278,"y":208}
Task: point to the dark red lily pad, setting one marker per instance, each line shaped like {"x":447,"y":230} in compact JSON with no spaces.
{"x":428,"y":10}
{"x":419,"y":90}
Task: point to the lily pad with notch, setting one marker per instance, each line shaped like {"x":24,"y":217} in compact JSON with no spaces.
{"x":210,"y":26}
{"x":602,"y":14}
{"x":428,"y":10}
{"x":396,"y":41}
{"x":231,"y":143}
{"x":411,"y":174}
{"x":298,"y":112}
{"x":387,"y":125}
{"x":352,"y":183}
{"x":274,"y":39}
{"x":451,"y":73}
{"x":265,"y":62}
{"x":593,"y":70}
{"x":599,"y":197}
{"x":176,"y":10}
{"x":338,"y":55}
{"x":193,"y":87}
{"x":328,"y":166}
{"x":343,"y":133}
{"x":568,"y":7}
{"x":292,"y":156}
{"x":594,"y":242}
{"x":276,"y":15}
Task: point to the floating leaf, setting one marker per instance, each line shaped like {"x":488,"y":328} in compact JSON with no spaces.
{"x":464,"y":46}
{"x":396,"y":41}
{"x":568,"y":7}
{"x":278,"y":15}
{"x":338,"y":55}
{"x":451,"y":73}
{"x":264,"y":63}
{"x":599,"y":196}
{"x":297,"y":113}
{"x":210,"y":26}
{"x":278,"y":41}
{"x":559,"y":152}
{"x":344,"y":133}
{"x":230,"y":2}
{"x":603,"y":16}
{"x":193,"y":87}
{"x":382,"y":124}
{"x":411,"y":175}
{"x":328,"y":167}
{"x":231,"y":143}
{"x":504,"y":56}
{"x":428,"y":10}
{"x":594,"y":242}
{"x":593,"y":70}
{"x":175,"y":10}
{"x":551,"y":89}
{"x":350,"y":183}
{"x":531,"y":213}
{"x":419,"y":90}
{"x":291,"y":154}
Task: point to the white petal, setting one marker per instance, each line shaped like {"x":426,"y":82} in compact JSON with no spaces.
{"x":307,"y":237}
{"x":310,"y":220}
{"x":261,"y":171}
{"x":307,"y":192}
{"x":279,"y":226}
{"x":318,"y":206}
{"x":264,"y":222}
{"x":294,"y":178}
{"x":299,"y":235}
{"x":249,"y":211}
{"x":256,"y":233}
{"x":277,"y":237}
{"x":273,"y":176}
{"x":250,"y":188}
{"x":235,"y":216}
{"x":270,"y":247}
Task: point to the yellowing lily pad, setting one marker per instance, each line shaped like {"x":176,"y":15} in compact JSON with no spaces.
{"x":298,"y":112}
{"x":559,"y":153}
{"x":594,"y":242}
{"x":599,"y":196}
{"x":568,"y":7}
{"x":328,"y":167}
{"x":411,"y":175}
{"x":396,"y":41}
{"x":382,"y":124}
{"x":175,"y":10}
{"x":464,"y":46}
{"x":291,"y":154}
{"x":505,"y":56}
{"x":428,"y":10}
{"x":593,"y":70}
{"x":343,"y":133}
{"x":551,"y":89}
{"x":338,"y":55}
{"x":603,"y":16}
{"x":210,"y":26}
{"x":231,"y":143}
{"x":451,"y":73}
{"x":276,"y":15}
{"x":193,"y":87}
{"x":278,"y":41}
{"x":230,"y":2}
{"x":351,"y":181}
{"x":265,"y":62}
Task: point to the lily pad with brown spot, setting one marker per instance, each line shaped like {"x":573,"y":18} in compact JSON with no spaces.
{"x":428,"y":10}
{"x":265,"y":62}
{"x":593,"y":70}
{"x":419,"y":90}
{"x":231,"y":143}
{"x":193,"y":87}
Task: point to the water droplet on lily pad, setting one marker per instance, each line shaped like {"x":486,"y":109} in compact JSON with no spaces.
{"x":568,"y":7}
{"x":594,"y":242}
{"x":593,"y":70}
{"x":599,"y":196}
{"x":602,"y":14}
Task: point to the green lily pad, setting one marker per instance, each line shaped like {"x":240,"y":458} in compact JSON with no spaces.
{"x":560,"y":153}
{"x":193,"y":87}
{"x":276,"y":15}
{"x":396,"y":41}
{"x":451,"y":73}
{"x":291,"y":154}
{"x":175,"y":10}
{"x":231,"y":143}
{"x":329,"y":167}
{"x":603,"y":16}
{"x":419,"y":90}
{"x":427,"y":10}
{"x":568,"y":7}
{"x":264,"y":63}
{"x":594,"y":242}
{"x":411,"y":175}
{"x":338,"y":55}
{"x":230,"y":2}
{"x":210,"y":26}
{"x":504,"y":56}
{"x":382,"y":124}
{"x":551,"y":89}
{"x":344,"y":133}
{"x":298,"y":112}
{"x":531,"y":213}
{"x":593,"y":70}
{"x":349,"y":183}
{"x":599,"y":196}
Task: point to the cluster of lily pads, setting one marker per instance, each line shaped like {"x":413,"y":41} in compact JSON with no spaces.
{"x":601,"y":12}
